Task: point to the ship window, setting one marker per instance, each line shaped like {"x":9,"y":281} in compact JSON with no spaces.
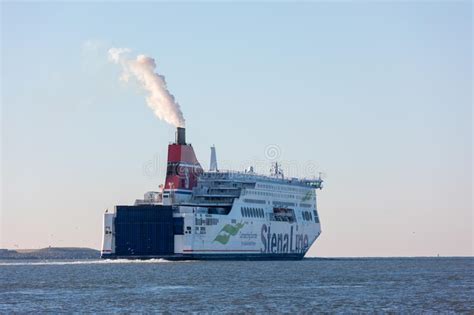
{"x":283,"y":214}
{"x":316,"y":218}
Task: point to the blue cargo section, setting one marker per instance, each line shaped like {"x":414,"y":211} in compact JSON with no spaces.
{"x":144,"y":230}
{"x":178,"y":227}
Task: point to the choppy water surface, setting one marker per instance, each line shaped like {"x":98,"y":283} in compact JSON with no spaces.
{"x":347,"y":285}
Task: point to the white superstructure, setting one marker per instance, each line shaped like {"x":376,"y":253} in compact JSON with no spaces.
{"x":249,"y":214}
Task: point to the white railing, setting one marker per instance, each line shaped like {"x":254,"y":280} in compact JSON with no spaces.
{"x":247,"y":176}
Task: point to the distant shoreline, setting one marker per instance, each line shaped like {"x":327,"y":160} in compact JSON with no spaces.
{"x":50,"y":253}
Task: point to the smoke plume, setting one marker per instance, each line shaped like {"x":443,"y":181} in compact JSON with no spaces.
{"x":159,"y":99}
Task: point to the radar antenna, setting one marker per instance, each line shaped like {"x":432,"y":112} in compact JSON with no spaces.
{"x":276,"y":171}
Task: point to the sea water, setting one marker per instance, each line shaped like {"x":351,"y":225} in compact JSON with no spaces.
{"x":311,"y":285}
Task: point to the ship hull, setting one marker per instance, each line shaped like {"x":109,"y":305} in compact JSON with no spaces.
{"x":236,"y":257}
{"x":181,"y":233}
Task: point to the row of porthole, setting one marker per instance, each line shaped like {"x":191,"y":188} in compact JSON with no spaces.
{"x":283,"y":188}
{"x":252,"y":212}
{"x":280,"y":195}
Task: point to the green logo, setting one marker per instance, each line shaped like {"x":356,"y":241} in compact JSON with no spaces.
{"x":227,"y":231}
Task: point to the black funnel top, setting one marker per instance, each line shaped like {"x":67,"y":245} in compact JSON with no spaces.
{"x":181,"y":135}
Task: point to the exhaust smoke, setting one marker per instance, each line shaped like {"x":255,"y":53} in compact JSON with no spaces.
{"x":159,"y":99}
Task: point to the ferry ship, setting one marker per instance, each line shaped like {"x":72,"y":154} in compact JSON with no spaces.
{"x":215,"y":214}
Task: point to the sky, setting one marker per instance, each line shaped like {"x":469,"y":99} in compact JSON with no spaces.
{"x":377,"y":96}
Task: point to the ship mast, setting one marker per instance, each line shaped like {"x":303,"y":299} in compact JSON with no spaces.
{"x":276,"y":171}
